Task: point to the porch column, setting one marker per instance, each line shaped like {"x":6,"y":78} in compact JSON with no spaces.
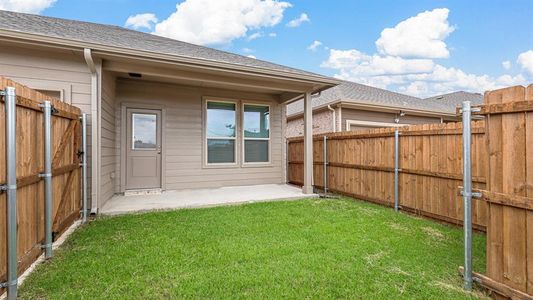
{"x":308,"y":144}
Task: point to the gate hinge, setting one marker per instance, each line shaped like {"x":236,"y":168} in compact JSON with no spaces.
{"x":44,"y":246}
{"x":8,"y":283}
{"x":473,"y":194}
{"x":53,"y":110}
{"x":5,"y":187}
{"x":473,"y":109}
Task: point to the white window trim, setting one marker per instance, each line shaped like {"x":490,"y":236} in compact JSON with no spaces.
{"x":349,"y":123}
{"x":261,"y":163}
{"x":61,"y":92}
{"x":206,"y":137}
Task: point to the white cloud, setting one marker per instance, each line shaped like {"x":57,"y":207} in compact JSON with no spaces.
{"x":299,"y":21}
{"x":421,"y":36}
{"x":254,"y":36}
{"x":445,"y":80}
{"x":139,"y":21}
{"x":26,"y":6}
{"x":525,"y":60}
{"x":416,"y":77}
{"x":208,"y":22}
{"x":506,"y":64}
{"x":272,"y":34}
{"x":314,"y":45}
{"x":358,"y":64}
{"x":400,"y":66}
{"x":247,"y":50}
{"x":251,"y":56}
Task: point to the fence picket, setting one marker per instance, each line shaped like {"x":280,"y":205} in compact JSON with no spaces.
{"x":361,"y":163}
{"x":30,"y":162}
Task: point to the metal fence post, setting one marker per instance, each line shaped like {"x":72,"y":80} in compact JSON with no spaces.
{"x":84,"y":166}
{"x":47,"y":175}
{"x":11,"y":191}
{"x":396,"y":169}
{"x":467,"y":194}
{"x":325,"y":165}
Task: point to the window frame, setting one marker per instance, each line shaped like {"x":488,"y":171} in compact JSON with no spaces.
{"x":244,"y":138}
{"x":132,"y":146}
{"x":44,"y":90}
{"x":206,"y":162}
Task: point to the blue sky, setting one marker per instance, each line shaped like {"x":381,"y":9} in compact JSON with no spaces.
{"x":432,"y":46}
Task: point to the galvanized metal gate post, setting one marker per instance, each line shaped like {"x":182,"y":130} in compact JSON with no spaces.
{"x":467,"y":194}
{"x":325,"y":165}
{"x":47,"y":175}
{"x":11,"y":191}
{"x":396,"y":169}
{"x":84,"y":166}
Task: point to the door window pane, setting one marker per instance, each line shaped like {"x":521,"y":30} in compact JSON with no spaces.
{"x":144,"y":131}
{"x":255,"y":151}
{"x":256,"y":121}
{"x":221,"y":119}
{"x":220,"y":151}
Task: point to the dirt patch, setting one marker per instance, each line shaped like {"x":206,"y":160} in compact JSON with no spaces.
{"x":398,"y":270}
{"x":371,"y":259}
{"x":457,"y":288}
{"x":367,"y":211}
{"x":434,"y":233}
{"x":119,"y":236}
{"x":397,"y":226}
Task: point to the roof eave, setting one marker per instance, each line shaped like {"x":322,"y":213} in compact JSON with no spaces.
{"x":321,"y":82}
{"x":374,"y":107}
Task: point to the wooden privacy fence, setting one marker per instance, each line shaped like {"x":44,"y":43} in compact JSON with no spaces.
{"x":509,"y":191}
{"x":430,"y":158}
{"x":66,"y":172}
{"x":361,"y":165}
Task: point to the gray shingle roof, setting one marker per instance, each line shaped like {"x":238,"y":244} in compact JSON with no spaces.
{"x":115,"y":36}
{"x":455,"y":99}
{"x":357,"y":93}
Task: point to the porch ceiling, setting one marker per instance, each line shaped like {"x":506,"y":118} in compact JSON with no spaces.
{"x":285,"y":89}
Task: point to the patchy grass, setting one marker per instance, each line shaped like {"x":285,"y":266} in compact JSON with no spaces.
{"x":312,"y":248}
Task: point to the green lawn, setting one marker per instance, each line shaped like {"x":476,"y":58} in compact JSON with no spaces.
{"x":313,"y":248}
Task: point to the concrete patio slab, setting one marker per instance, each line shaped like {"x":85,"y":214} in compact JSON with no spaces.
{"x":193,"y":198}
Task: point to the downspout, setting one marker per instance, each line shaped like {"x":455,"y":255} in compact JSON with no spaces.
{"x":95,"y":181}
{"x":334,"y":118}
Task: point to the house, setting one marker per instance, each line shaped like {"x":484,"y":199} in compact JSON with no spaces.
{"x":353,"y":106}
{"x":163,"y":114}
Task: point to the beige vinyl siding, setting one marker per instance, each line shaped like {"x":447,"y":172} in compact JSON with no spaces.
{"x":373,"y":116}
{"x":109,"y":154}
{"x":183,"y":144}
{"x":47,"y":70}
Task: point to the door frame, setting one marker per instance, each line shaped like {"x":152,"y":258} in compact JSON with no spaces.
{"x":123,"y":140}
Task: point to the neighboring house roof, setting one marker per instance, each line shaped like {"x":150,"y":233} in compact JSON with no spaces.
{"x":115,"y":36}
{"x":351,"y":92}
{"x":455,"y":99}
